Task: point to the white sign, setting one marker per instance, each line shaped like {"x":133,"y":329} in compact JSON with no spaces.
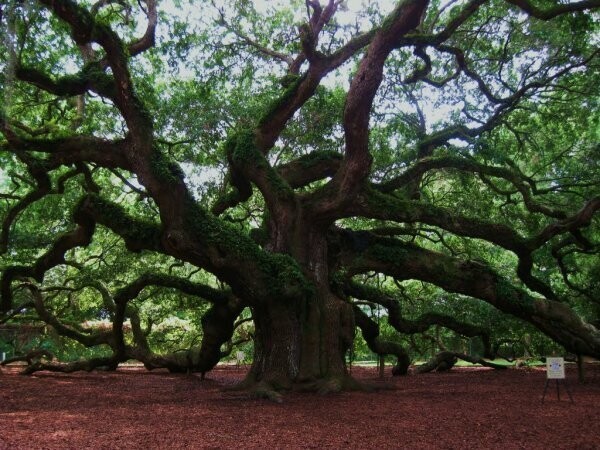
{"x":555,"y":368}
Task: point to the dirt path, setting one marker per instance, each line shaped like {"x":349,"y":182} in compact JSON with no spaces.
{"x":137,"y":409}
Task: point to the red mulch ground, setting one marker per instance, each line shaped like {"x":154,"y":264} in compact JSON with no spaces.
{"x":136,"y":409}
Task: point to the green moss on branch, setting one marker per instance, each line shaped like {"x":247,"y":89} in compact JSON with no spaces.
{"x":281,"y":275}
{"x":243,"y":153}
{"x":165,"y":170}
{"x":138,"y":234}
{"x":517,"y":297}
{"x":293,"y":83}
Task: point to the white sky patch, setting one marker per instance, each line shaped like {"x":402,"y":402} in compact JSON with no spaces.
{"x":3,"y":178}
{"x":200,"y":175}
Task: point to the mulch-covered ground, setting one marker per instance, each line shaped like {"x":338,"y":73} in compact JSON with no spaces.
{"x":132,"y":408}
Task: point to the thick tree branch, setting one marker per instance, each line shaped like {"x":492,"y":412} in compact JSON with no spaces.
{"x":43,"y":188}
{"x":91,"y":78}
{"x":89,"y":340}
{"x":445,"y":360}
{"x":206,"y":292}
{"x":147,"y":40}
{"x":309,"y":168}
{"x":407,"y":261}
{"x":206,"y":242}
{"x":110,"y":362}
{"x":79,"y":237}
{"x":137,"y":234}
{"x":405,"y":17}
{"x":73,"y":150}
{"x":370,"y":332}
{"x":217,"y":324}
{"x":581,"y":219}
{"x":420,"y":324}
{"x":387,"y":207}
{"x":524,"y":185}
{"x":297,"y":174}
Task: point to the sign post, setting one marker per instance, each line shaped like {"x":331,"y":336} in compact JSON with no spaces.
{"x":555,"y":370}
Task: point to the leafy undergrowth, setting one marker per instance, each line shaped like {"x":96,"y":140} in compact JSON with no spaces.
{"x":466,"y":408}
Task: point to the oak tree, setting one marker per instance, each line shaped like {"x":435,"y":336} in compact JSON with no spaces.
{"x":267,"y":163}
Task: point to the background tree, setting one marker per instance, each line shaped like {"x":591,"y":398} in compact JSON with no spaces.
{"x":219,"y":163}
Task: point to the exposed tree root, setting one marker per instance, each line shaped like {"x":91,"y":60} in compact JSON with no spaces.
{"x":273,"y":391}
{"x":57,"y":366}
{"x":328,"y":385}
{"x":445,"y":361}
{"x":34,"y":356}
{"x":256,"y":389}
{"x":265,"y":390}
{"x":35,"y":359}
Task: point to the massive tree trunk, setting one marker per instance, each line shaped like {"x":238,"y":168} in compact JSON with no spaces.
{"x":303,"y":343}
{"x":300,"y":344}
{"x":306,"y":342}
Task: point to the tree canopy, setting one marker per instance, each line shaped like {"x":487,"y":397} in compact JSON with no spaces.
{"x":196,"y":175}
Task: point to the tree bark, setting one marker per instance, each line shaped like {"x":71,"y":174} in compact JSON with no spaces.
{"x":303,"y":343}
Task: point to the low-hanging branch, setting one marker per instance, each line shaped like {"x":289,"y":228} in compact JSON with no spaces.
{"x":184,"y":285}
{"x":80,"y":236}
{"x":43,"y":188}
{"x":377,"y":205}
{"x":370,"y":332}
{"x":217,"y":325}
{"x":420,"y":324}
{"x":405,"y":261}
{"x":89,"y":340}
{"x":109,"y":362}
{"x":445,"y":360}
